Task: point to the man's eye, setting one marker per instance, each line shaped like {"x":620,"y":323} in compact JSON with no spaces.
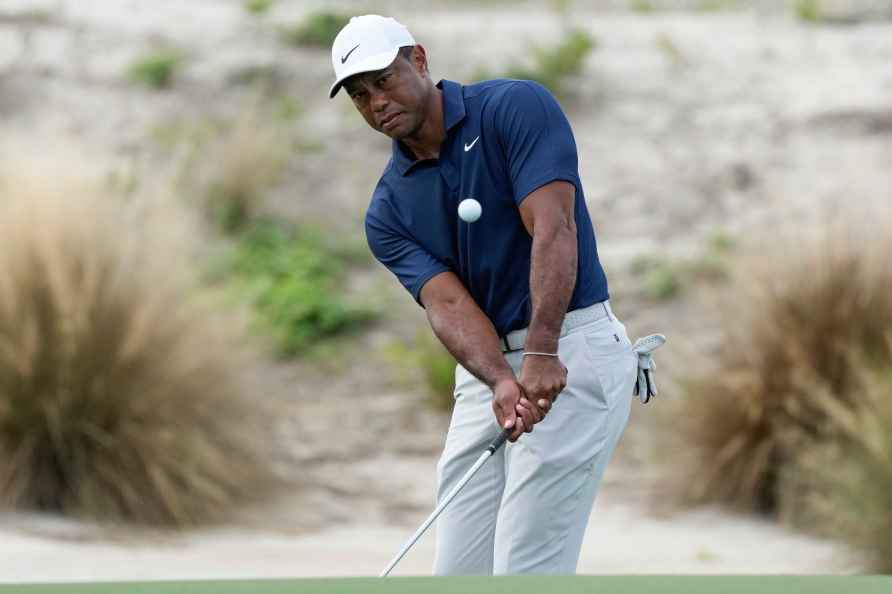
{"x":383,"y":79}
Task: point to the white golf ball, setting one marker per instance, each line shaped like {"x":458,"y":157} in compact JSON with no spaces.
{"x":469,"y":210}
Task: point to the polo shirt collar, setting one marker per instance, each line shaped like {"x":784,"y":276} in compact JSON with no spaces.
{"x":453,"y":103}
{"x":453,"y":113}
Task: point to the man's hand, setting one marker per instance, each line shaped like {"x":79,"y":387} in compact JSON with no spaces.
{"x":507,"y":395}
{"x":542,"y":379}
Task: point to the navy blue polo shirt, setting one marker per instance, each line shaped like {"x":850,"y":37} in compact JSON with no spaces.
{"x":504,"y":139}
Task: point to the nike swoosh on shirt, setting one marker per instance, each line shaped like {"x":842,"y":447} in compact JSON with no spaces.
{"x":470,"y":146}
{"x":347,"y":55}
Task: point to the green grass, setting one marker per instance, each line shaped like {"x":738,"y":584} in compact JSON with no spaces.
{"x":650,"y":6}
{"x":662,"y":278}
{"x":439,"y":373}
{"x":319,"y":29}
{"x":258,"y":6}
{"x":718,"y":5}
{"x":253,"y":74}
{"x":295,"y":281}
{"x":714,"y":263}
{"x":156,"y":70}
{"x":286,"y":108}
{"x":721,"y":243}
{"x":613,"y":584}
{"x":435,"y":364}
{"x":808,"y":10}
{"x":642,"y":6}
{"x":663,"y":282}
{"x":554,"y":66}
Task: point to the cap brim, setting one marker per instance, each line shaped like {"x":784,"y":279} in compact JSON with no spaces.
{"x":370,"y":64}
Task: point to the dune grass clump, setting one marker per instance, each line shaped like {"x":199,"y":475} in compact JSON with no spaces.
{"x":318,"y":29}
{"x":120,"y":398}
{"x":245,"y":160}
{"x":799,"y":332}
{"x":845,"y":487}
{"x":295,"y":281}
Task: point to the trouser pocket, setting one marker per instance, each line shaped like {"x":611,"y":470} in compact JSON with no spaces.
{"x":610,"y":354}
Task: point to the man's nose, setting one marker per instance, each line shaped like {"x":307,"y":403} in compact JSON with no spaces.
{"x":378,"y":100}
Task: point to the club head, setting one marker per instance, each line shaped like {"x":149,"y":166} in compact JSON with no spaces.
{"x":649,"y":344}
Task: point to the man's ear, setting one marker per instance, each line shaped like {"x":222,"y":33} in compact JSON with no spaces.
{"x":419,"y":59}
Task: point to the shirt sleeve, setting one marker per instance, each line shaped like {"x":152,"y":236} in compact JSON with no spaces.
{"x":536,"y":137}
{"x":404,"y":257}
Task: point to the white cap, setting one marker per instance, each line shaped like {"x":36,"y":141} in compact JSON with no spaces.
{"x":368,"y":42}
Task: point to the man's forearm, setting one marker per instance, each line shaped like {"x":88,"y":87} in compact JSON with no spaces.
{"x":471,"y":338}
{"x":552,"y":279}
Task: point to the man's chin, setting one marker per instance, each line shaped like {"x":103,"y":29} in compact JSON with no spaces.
{"x":397,"y":133}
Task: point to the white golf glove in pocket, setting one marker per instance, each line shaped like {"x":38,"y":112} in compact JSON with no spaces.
{"x":645,"y":385}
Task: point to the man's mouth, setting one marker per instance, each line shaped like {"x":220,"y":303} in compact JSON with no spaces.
{"x":387,"y":120}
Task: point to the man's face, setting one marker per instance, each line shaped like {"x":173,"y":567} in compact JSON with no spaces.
{"x":393,"y":101}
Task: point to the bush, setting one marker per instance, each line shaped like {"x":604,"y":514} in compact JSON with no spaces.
{"x":798,"y":329}
{"x":156,"y":70}
{"x":552,"y":66}
{"x":319,"y":29}
{"x":294,"y":280}
{"x":120,"y":398}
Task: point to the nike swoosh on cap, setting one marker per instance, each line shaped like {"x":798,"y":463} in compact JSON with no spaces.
{"x":347,"y":55}
{"x":470,"y":146}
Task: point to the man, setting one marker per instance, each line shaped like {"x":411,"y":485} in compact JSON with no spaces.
{"x":519,"y":297}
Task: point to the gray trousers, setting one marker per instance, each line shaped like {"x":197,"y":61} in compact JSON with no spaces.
{"x":526,"y":510}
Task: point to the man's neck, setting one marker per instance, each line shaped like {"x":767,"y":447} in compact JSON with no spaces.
{"x":425,"y":142}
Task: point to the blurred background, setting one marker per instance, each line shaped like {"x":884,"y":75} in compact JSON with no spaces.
{"x":203,"y":372}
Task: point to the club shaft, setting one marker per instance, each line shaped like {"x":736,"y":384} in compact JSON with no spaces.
{"x":496,"y":444}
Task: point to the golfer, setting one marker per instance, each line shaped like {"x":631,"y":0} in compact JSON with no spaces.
{"x":518,"y":296}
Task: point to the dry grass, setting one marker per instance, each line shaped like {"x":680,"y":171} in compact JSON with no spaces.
{"x":243,"y":160}
{"x":120,"y":397}
{"x":799,"y":327}
{"x":844,"y":487}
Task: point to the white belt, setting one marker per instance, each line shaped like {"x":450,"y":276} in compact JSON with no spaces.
{"x":514,"y":341}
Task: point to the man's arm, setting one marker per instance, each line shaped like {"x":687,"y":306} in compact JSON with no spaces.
{"x":469,"y":335}
{"x":548,"y":215}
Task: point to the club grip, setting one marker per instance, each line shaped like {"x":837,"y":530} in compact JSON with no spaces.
{"x":499,"y":441}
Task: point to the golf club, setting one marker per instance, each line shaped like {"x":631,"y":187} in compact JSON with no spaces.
{"x":490,"y":450}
